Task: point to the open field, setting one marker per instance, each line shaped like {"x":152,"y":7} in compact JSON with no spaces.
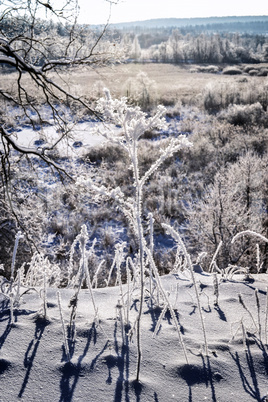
{"x":168,"y":83}
{"x":174,"y":83}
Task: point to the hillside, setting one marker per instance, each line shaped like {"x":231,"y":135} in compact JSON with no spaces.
{"x":241,"y":24}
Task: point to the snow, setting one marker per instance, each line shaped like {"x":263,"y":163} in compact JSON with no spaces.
{"x":84,"y":132}
{"x":33,"y":364}
{"x":82,"y":136}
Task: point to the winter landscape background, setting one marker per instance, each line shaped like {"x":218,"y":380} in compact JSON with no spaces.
{"x":134,"y":194}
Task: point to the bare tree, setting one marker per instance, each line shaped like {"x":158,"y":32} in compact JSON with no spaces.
{"x":36,"y":52}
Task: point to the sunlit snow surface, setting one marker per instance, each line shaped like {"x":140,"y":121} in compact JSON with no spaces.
{"x":76,"y":143}
{"x":33,"y":363}
{"x":81,"y":136}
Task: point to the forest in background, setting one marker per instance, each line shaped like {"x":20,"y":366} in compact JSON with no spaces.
{"x":244,"y":41}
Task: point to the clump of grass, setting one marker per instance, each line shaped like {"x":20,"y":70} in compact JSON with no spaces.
{"x":205,"y":69}
{"x":241,"y":115}
{"x":11,"y":289}
{"x":82,"y":275}
{"x":178,"y":239}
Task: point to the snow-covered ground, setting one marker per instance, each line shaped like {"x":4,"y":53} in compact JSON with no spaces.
{"x":82,"y":136}
{"x":33,"y":363}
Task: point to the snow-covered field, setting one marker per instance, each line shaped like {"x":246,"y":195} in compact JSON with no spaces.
{"x":33,"y":363}
{"x":82,"y":137}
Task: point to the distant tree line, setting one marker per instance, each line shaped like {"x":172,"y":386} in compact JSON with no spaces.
{"x":198,"y":47}
{"x":242,"y":27}
{"x":229,"y":42}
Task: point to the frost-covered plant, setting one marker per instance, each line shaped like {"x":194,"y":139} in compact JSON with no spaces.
{"x":231,"y":270}
{"x":131,"y":123}
{"x":117,"y":262}
{"x":95,"y":278}
{"x":40,"y":267}
{"x":216,"y":289}
{"x":213,"y":261}
{"x":65,"y":339}
{"x":17,"y":239}
{"x":240,"y":115}
{"x":259,"y":264}
{"x":81,"y":276}
{"x":249,"y":232}
{"x":241,"y":301}
{"x":178,"y":239}
{"x":232,"y":203}
{"x":254,"y":234}
{"x":8,"y":287}
{"x":167,"y":304}
{"x":40,"y":275}
{"x":151,"y":247}
{"x":141,"y":90}
{"x":258,"y":312}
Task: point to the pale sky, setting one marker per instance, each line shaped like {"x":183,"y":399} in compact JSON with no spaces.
{"x":97,"y":11}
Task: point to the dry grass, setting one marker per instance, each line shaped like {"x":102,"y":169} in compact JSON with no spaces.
{"x":173,"y":82}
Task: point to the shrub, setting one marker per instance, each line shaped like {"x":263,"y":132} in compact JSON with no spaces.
{"x":245,"y":114}
{"x":253,"y":72}
{"x":218,"y":96}
{"x":234,"y":202}
{"x":263,"y":72}
{"x":231,"y":71}
{"x":142,"y":91}
{"x":205,"y":69}
{"x":111,"y":153}
{"x":212,"y":99}
{"x":242,"y":79}
{"x":247,"y":68}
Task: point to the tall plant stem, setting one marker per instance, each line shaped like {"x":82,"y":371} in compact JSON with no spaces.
{"x":140,"y":231}
{"x":141,"y":252}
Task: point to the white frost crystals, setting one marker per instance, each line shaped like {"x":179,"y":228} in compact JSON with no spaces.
{"x":131,"y":123}
{"x":131,"y":119}
{"x":125,"y":126}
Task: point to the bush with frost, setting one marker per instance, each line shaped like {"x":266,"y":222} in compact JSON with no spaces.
{"x":142,"y":91}
{"x":245,"y":114}
{"x":234,"y":202}
{"x":231,"y":71}
{"x":219,"y":96}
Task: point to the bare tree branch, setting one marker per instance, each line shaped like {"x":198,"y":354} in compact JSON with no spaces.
{"x":32,"y":49}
